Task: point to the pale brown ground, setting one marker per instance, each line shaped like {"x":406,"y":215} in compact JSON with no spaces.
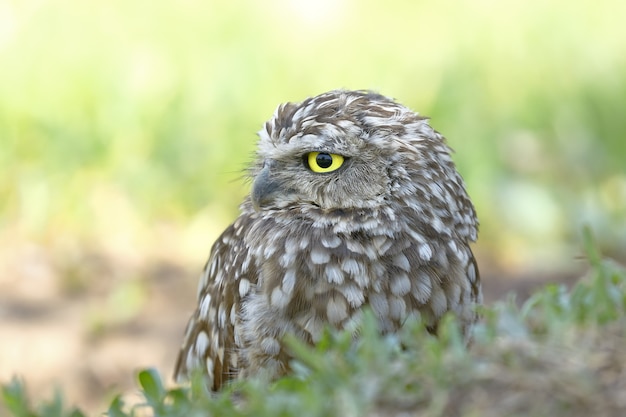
{"x":63,"y":319}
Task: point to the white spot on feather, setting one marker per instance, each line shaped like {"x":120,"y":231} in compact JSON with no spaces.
{"x":221,"y":316}
{"x":205,"y":304}
{"x":352,"y":267}
{"x":402,"y":262}
{"x":354,"y":295}
{"x":397,"y":308}
{"x":233,"y":314}
{"x":320,"y":256}
{"x":210,"y":368}
{"x":422,"y":288}
{"x":382,"y":244}
{"x":379,"y":304}
{"x":438,"y":302}
{"x":331,"y":241}
{"x":334,"y":274}
{"x":454,"y":296}
{"x":278,"y":298}
{"x":313,"y":325}
{"x":425,"y":252}
{"x":269,"y":251}
{"x":202,"y":343}
{"x":191,"y":361}
{"x":400,"y":285}
{"x":287,"y":259}
{"x":289,"y":282}
{"x":219,"y":277}
{"x":270,"y":346}
{"x":244,"y":287}
{"x":337,"y":309}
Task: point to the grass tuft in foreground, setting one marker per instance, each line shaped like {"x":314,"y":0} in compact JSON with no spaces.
{"x":563,"y":353}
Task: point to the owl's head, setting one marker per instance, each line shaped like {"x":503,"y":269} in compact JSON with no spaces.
{"x":356,"y":150}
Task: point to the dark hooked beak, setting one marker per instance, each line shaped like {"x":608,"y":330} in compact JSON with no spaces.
{"x":264,"y":189}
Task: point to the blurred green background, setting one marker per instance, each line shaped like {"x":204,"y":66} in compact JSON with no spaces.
{"x":125,"y":125}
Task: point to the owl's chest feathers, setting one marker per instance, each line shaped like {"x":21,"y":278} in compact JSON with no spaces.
{"x":310,"y":276}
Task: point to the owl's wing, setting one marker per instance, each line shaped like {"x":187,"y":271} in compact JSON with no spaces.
{"x":473,"y":275}
{"x":209,"y":344}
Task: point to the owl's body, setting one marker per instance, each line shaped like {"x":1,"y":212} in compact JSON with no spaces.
{"x":355,"y":202}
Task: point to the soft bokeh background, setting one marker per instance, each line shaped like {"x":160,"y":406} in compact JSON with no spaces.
{"x":125,"y":125}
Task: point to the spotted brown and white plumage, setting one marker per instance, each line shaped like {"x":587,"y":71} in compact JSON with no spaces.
{"x":389,"y":229}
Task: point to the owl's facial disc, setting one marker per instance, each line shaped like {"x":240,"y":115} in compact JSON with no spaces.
{"x":319,"y":180}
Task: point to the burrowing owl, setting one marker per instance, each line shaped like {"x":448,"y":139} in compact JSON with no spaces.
{"x":355,"y":202}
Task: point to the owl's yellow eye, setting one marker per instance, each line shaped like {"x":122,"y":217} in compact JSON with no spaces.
{"x":323,"y":161}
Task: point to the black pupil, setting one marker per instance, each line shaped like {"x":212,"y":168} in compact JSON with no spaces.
{"x":324,"y":160}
